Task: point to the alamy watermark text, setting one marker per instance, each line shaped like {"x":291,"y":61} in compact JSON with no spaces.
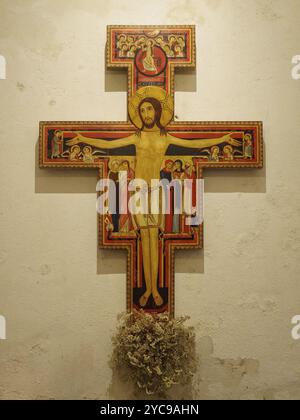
{"x":2,"y":328}
{"x":2,"y":67}
{"x":156,"y":197}
{"x":296,"y":67}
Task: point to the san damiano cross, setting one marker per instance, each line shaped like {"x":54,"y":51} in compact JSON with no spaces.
{"x":151,"y":145}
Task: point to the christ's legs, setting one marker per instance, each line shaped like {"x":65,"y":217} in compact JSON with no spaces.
{"x":141,"y":221}
{"x":147,"y":266}
{"x":148,"y":226}
{"x":154,"y":252}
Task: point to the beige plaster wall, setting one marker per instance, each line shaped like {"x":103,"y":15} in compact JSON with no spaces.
{"x":59,"y":295}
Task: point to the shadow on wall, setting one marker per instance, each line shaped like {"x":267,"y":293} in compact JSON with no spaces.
{"x":116,"y":80}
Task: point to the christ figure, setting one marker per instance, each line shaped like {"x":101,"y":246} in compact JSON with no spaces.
{"x":151,"y":142}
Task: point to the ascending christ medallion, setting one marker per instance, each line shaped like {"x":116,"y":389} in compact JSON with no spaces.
{"x":151,"y":60}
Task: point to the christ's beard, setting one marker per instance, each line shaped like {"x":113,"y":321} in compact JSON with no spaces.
{"x":149,"y":125}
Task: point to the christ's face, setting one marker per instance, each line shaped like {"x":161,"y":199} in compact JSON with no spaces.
{"x":148,"y":114}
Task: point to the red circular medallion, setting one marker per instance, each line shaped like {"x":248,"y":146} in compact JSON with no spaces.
{"x":151,"y":60}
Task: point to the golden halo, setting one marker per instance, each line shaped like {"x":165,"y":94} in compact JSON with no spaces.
{"x":161,"y":95}
{"x":112,"y":162}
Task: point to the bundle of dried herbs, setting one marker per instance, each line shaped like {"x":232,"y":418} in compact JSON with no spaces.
{"x":155,"y":352}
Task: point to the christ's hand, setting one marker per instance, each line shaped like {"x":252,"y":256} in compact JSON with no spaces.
{"x":228,"y":139}
{"x":78,"y":139}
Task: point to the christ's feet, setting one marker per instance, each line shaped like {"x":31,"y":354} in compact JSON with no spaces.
{"x":157,"y":299}
{"x":144,"y":299}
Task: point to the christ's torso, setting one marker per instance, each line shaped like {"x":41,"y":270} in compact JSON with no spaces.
{"x":151,"y":148}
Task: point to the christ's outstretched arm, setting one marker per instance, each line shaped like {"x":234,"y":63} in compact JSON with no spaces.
{"x":103,"y":144}
{"x":203,"y":143}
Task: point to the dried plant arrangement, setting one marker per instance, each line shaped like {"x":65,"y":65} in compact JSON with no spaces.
{"x":154,"y":352}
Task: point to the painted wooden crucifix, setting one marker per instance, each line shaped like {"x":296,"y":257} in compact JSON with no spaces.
{"x":150,"y":145}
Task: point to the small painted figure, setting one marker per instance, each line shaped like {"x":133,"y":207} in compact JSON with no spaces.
{"x":178,"y":174}
{"x":215,"y":154}
{"x":178,"y":51}
{"x":166,"y":172}
{"x":121,"y":41}
{"x":114,"y":176}
{"x":160,"y":42}
{"x":149,"y":64}
{"x":132,"y":51}
{"x":228,"y":153}
{"x":190,"y":173}
{"x":57,"y":144}
{"x":125,"y":220}
{"x":124,"y":50}
{"x":75,"y":154}
{"x":88,"y":155}
{"x":181,"y":42}
{"x":108,"y":224}
{"x":248,"y":146}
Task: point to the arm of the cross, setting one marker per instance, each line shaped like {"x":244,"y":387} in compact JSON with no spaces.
{"x":218,"y":144}
{"x":72,"y":144}
{"x":203,"y":143}
{"x":102,"y":144}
